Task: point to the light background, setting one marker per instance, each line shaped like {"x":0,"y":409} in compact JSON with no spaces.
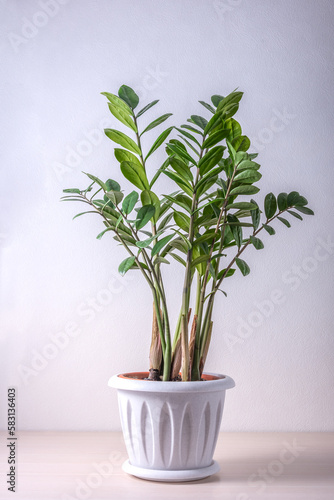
{"x":57,"y":56}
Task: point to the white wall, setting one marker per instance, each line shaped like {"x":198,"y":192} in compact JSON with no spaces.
{"x":53,"y":270}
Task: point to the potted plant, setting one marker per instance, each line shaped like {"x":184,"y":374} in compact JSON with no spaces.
{"x":171,"y":414}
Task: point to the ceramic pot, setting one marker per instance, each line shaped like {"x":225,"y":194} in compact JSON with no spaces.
{"x":170,"y":428}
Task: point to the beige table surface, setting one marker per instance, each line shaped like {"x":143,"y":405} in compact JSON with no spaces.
{"x":87,"y":465}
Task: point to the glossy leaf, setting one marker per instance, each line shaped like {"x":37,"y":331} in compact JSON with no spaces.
{"x":241,"y":143}
{"x":175,"y":148}
{"x":144,"y":215}
{"x":156,"y":122}
{"x":304,"y":210}
{"x":199,"y":121}
{"x":115,"y":196}
{"x":72,"y":190}
{"x":270,"y":230}
{"x":129,"y":96}
{"x":242,"y":205}
{"x":243,"y":266}
{"x":207,"y":106}
{"x":129,"y":202}
{"x":236,"y":230}
{"x":248,"y":176}
{"x":147,"y":107}
{"x":97,"y":180}
{"x":124,"y":155}
{"x":122,"y":139}
{"x":182,"y":183}
{"x":256,"y":216}
{"x":161,"y":243}
{"x":210,"y":159}
{"x":284,"y":221}
{"x":282,"y":201}
{"x":187,"y":134}
{"x":256,"y":242}
{"x":182,"y":220}
{"x":135,"y":174}
{"x":293,"y":198}
{"x":270,"y":205}
{"x":244,"y":189}
{"x":216,"y":137}
{"x":149,"y":198}
{"x":234,"y":128}
{"x":112,"y":185}
{"x":122,"y":116}
{"x":216,"y":99}
{"x":159,"y":141}
{"x":117,"y":101}
{"x":126,"y":264}
{"x":99,"y":236}
{"x":295,"y":215}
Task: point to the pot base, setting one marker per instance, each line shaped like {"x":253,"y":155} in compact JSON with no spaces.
{"x":168,"y":476}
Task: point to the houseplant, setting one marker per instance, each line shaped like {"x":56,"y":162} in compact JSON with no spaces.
{"x":205,"y":224}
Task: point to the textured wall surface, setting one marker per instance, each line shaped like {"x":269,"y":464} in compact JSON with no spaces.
{"x":68,"y":321}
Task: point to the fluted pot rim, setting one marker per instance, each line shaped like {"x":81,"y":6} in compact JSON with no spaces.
{"x":124,"y":382}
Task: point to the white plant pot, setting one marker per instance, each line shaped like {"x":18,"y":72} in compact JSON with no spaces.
{"x":171,"y":428}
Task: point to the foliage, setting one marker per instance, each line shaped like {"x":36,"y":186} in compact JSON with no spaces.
{"x":208,"y":212}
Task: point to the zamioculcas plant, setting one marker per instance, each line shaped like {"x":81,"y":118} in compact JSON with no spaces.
{"x":205,"y":224}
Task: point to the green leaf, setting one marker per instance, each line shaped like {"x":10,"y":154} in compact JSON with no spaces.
{"x":126,"y":265}
{"x":112,"y":185}
{"x":181,"y":169}
{"x":117,"y":101}
{"x":129,"y":96}
{"x":256,"y":216}
{"x":282,"y":201}
{"x":295,"y":215}
{"x":236,"y":229}
{"x":210,"y":159}
{"x":247,"y":164}
{"x":160,"y":260}
{"x":284,"y":221}
{"x":234,"y":128}
{"x":149,"y":198}
{"x":242,"y":205}
{"x":270,"y":205}
{"x":231,"y":150}
{"x":161,"y":243}
{"x":229,"y":273}
{"x":115,"y":196}
{"x":231,"y":99}
{"x":191,"y":137}
{"x":181,"y":152}
{"x":301,"y":201}
{"x":182,"y":183}
{"x":129,"y":202}
{"x":182,"y":220}
{"x":207,"y":106}
{"x":293,"y":198}
{"x":160,"y":140}
{"x":199,"y":121}
{"x":243,"y":266}
{"x":99,"y":236}
{"x":135,"y":174}
{"x":178,"y":258}
{"x":146,"y":108}
{"x":215,"y":138}
{"x":97,"y":180}
{"x":122,"y":139}
{"x":244,"y":189}
{"x":124,"y":155}
{"x":304,"y":210}
{"x":156,"y":122}
{"x":256,"y":242}
{"x":216,"y":99}
{"x":192,"y":129}
{"x":122,"y":116}
{"x":144,"y":215}
{"x":270,"y":230}
{"x":72,"y":190}
{"x":83,"y":213}
{"x":241,"y":143}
